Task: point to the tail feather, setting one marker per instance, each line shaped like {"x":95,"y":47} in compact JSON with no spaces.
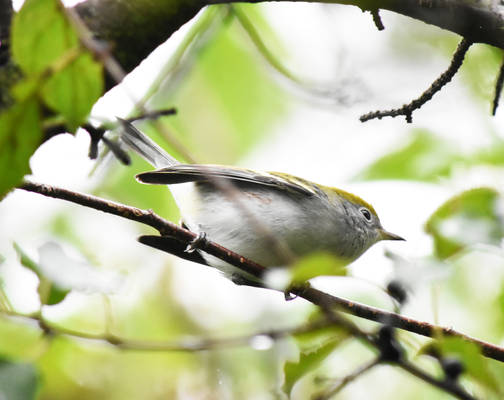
{"x":145,"y":147}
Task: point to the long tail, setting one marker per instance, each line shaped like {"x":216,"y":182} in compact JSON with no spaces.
{"x":145,"y":147}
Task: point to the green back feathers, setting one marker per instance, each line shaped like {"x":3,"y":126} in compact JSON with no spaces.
{"x":302,"y":183}
{"x":314,"y":188}
{"x":353,"y":198}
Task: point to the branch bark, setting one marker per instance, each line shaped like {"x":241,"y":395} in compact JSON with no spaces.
{"x":315,"y":296}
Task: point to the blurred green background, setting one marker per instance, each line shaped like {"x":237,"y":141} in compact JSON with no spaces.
{"x":437,"y":182}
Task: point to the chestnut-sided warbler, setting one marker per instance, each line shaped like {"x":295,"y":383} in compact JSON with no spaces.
{"x":245,"y":210}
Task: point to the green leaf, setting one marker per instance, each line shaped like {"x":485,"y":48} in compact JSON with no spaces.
{"x":20,"y":135}
{"x":75,"y":89}
{"x":475,"y":365}
{"x":492,"y":154}
{"x":317,"y":264}
{"x":41,"y":34}
{"x":425,"y":158}
{"x":49,"y":293}
{"x":472,"y":217}
{"x":46,"y":47}
{"x":308,"y":361}
{"x":18,"y":381}
{"x":232,"y":91}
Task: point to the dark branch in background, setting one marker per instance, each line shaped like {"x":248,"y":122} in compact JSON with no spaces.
{"x":9,"y":73}
{"x":310,"y":294}
{"x":498,"y":88}
{"x":5,"y":18}
{"x":446,"y":385}
{"x":437,"y":85}
{"x":390,"y":351}
{"x":204,"y":344}
{"x":134,"y":29}
{"x":97,"y":134}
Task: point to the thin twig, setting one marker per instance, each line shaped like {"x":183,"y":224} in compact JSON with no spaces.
{"x":153,"y":114}
{"x":254,"y":35}
{"x":437,"y":85}
{"x":390,"y":351}
{"x":446,"y":385}
{"x":310,"y":294}
{"x":191,"y":344}
{"x":342,"y":383}
{"x":498,"y":88}
{"x":377,"y":19}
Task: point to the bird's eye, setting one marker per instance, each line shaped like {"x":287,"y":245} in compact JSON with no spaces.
{"x":365,"y":212}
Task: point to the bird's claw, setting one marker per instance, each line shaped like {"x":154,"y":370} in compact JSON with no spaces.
{"x":298,"y":287}
{"x":198,"y":242}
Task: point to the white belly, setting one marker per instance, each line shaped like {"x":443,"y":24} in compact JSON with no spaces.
{"x":247,"y":228}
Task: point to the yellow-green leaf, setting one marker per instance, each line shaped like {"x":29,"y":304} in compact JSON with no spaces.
{"x":425,"y":158}
{"x":317,"y":264}
{"x":41,"y":34}
{"x":475,"y":365}
{"x":73,"y":90}
{"x":48,"y":292}
{"x":472,"y":217}
{"x":308,"y":361}
{"x":20,"y":135}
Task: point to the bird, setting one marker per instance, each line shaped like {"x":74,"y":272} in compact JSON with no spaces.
{"x":270,"y":218}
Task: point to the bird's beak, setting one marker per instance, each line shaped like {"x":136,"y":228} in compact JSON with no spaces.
{"x":385,"y":235}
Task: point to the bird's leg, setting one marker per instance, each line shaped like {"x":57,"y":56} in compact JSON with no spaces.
{"x":298,"y":287}
{"x":198,"y":242}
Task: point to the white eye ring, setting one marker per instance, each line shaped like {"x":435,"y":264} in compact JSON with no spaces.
{"x":365,"y":212}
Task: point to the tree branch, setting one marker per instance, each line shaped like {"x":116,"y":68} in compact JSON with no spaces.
{"x":477,"y":21}
{"x":437,"y":85}
{"x":315,"y":296}
{"x":186,"y":345}
{"x":113,"y":21}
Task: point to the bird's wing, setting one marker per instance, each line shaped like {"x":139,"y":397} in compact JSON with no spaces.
{"x":205,"y":173}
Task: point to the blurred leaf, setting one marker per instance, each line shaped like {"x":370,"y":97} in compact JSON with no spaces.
{"x":480,"y":69}
{"x":20,"y":135}
{"x":46,"y":47}
{"x":474,"y":216}
{"x":69,"y":274}
{"x":40,"y":35}
{"x":475,"y":365}
{"x":317,"y":264}
{"x":26,"y":260}
{"x":492,"y":154}
{"x":18,"y":381}
{"x":308,"y":361}
{"x":425,"y":158}
{"x":49,"y":294}
{"x":307,"y":341}
{"x":73,"y":90}
{"x":234,"y":96}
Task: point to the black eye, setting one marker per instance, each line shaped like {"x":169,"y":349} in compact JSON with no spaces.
{"x":366,"y":213}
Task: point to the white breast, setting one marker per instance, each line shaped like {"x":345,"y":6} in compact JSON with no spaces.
{"x":303,"y":222}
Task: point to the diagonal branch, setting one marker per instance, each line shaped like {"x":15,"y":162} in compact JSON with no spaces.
{"x":437,"y":85}
{"x":315,"y":296}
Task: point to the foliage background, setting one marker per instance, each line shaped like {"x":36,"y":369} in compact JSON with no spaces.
{"x":234,"y":108}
